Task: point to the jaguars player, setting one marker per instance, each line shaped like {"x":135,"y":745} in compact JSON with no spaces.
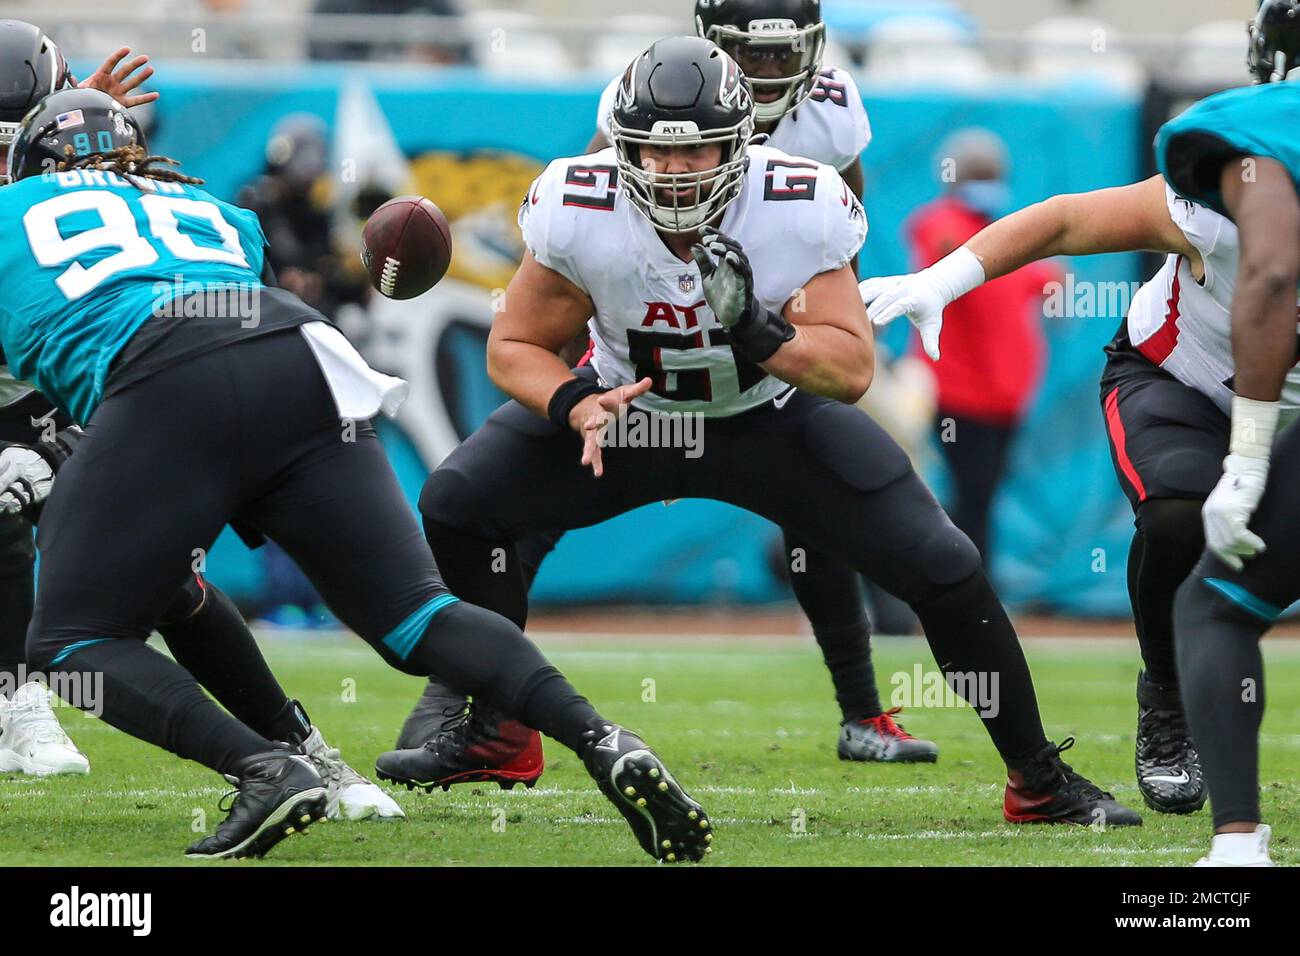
{"x":31,"y":738}
{"x":1166,"y":392}
{"x":1239,"y":153}
{"x":804,"y":108}
{"x":682,"y":205}
{"x":202,"y":628}
{"x":174,"y":386}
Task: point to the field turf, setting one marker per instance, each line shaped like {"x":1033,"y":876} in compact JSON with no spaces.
{"x":747,"y":726}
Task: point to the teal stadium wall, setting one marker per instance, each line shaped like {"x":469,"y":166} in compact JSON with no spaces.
{"x":1060,"y":516}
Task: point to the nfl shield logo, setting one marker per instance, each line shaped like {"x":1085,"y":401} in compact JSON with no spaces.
{"x":686,"y":282}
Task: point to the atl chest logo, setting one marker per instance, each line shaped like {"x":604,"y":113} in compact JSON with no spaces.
{"x":671,"y":315}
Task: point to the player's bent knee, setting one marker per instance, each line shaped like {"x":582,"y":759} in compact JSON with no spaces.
{"x":187,"y":602}
{"x":449,"y":498}
{"x":945,"y":560}
{"x":1172,"y":530}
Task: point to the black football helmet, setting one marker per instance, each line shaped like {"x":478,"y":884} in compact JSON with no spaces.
{"x":682,"y":91}
{"x":31,"y":68}
{"x":1275,"y":40}
{"x":70,"y":125}
{"x":789,"y":34}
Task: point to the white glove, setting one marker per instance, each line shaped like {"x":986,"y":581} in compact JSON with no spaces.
{"x":922,"y":296}
{"x":915,"y":296}
{"x":25,"y":479}
{"x":1229,"y":509}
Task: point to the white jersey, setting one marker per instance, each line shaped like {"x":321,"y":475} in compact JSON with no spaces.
{"x":794,"y":217}
{"x":1184,"y":326}
{"x":830,"y":126}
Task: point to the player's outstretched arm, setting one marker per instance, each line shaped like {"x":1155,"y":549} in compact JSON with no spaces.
{"x":1120,"y":219}
{"x":1266,"y":210}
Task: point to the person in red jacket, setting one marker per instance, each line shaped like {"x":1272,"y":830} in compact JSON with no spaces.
{"x":995,"y":350}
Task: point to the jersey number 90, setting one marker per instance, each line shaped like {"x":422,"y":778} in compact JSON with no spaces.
{"x":117,"y":230}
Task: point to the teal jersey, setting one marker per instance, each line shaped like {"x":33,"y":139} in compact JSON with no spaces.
{"x":1193,"y":147}
{"x":88,"y":257}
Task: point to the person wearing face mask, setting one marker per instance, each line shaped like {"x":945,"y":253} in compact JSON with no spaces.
{"x":991,"y":369}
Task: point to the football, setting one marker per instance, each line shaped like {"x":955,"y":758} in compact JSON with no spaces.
{"x":406,"y":247}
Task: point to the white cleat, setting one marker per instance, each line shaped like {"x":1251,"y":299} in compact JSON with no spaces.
{"x":31,"y":739}
{"x":348,"y":795}
{"x":1239,"y":849}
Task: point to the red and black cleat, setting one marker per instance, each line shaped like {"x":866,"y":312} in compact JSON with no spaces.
{"x":883,"y":739}
{"x":481,"y":745}
{"x":1046,"y":789}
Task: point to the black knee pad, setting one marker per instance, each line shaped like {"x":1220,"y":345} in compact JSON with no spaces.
{"x":449,"y":498}
{"x":17,"y":551}
{"x":946,"y":558}
{"x":1172,"y":530}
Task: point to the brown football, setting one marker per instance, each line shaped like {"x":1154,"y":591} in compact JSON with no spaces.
{"x":406,"y":247}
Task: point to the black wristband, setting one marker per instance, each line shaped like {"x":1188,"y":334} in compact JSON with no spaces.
{"x":59,"y":449}
{"x":568,"y":395}
{"x":760,"y":333}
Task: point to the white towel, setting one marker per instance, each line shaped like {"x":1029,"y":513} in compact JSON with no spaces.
{"x":359,"y":391}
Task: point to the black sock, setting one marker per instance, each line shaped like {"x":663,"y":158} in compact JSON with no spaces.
{"x":830,"y":594}
{"x":489,"y":658}
{"x":1222,"y":682}
{"x":1166,"y":546}
{"x":846,"y":649}
{"x":971,"y":636}
{"x":17,"y":593}
{"x":151,"y":697}
{"x":216,"y":646}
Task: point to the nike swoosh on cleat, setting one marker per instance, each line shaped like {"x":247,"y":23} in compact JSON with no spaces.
{"x":1167,"y":778}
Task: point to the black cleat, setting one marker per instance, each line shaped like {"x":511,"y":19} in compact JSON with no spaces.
{"x":279,"y":794}
{"x":669,"y":825}
{"x":1168,"y":766}
{"x":1047,"y":790}
{"x":437,"y":708}
{"x":475,"y":745}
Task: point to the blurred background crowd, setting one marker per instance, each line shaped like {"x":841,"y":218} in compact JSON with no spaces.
{"x":313,"y":112}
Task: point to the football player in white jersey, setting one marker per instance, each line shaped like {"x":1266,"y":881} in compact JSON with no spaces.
{"x":717,"y":275}
{"x":804,"y":109}
{"x":1166,"y":395}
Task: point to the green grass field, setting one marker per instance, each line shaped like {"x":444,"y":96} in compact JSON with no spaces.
{"x":748,"y":728}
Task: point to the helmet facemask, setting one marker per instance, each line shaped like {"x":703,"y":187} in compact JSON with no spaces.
{"x":707,"y":192}
{"x":1274,"y":46}
{"x":797,"y":51}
